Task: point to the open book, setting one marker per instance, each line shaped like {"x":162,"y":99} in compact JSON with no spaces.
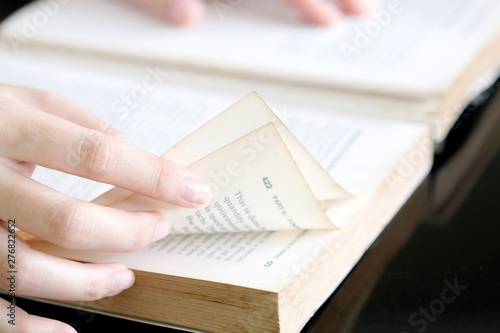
{"x":290,"y":219}
{"x":270,"y":280}
{"x":416,"y":60}
{"x":265,"y":252}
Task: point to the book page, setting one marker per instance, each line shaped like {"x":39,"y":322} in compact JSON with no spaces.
{"x":247,"y":114}
{"x":256,"y":185}
{"x":411,"y":48}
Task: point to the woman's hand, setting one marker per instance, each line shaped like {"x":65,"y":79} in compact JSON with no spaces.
{"x":40,"y":128}
{"x":322,"y":12}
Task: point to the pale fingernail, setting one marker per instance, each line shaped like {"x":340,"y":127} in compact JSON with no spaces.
{"x":178,"y":11}
{"x":359,"y":7}
{"x":329,"y":16}
{"x":161,"y":231}
{"x":195,"y":191}
{"x":122,"y":280}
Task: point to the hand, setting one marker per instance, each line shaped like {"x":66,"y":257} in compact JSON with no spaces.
{"x":39,"y":128}
{"x":322,"y":12}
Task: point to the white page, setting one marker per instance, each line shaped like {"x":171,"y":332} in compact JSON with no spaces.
{"x":409,"y":47}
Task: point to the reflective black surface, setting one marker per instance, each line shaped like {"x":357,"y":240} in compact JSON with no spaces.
{"x":7,"y":7}
{"x":464,"y":250}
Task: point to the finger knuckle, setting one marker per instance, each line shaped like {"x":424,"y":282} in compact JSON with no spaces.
{"x":94,"y":153}
{"x":11,"y":133}
{"x":161,"y":184}
{"x":158,"y":180}
{"x":141,"y":237}
{"x":96,"y":288}
{"x":65,"y":223}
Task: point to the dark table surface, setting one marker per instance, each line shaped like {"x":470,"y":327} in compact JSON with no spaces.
{"x":465,"y":252}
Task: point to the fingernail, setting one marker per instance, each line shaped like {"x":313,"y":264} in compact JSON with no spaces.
{"x":180,"y":11}
{"x":161,"y":231}
{"x":330,"y":15}
{"x":195,"y":191}
{"x":122,"y":280}
{"x":359,"y":7}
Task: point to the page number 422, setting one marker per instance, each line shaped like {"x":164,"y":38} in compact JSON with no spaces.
{"x":267,"y":183}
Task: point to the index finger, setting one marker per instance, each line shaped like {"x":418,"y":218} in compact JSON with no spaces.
{"x":33,"y":136}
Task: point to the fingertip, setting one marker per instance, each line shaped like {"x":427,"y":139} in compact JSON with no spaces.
{"x":184,"y":12}
{"x":318,"y":12}
{"x":325,"y":19}
{"x":65,"y":328}
{"x":54,"y":326}
{"x":356,"y":7}
{"x":122,"y":280}
{"x":181,"y":186}
{"x":195,"y":192}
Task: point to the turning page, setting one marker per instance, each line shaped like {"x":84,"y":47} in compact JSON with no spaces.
{"x":261,"y":177}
